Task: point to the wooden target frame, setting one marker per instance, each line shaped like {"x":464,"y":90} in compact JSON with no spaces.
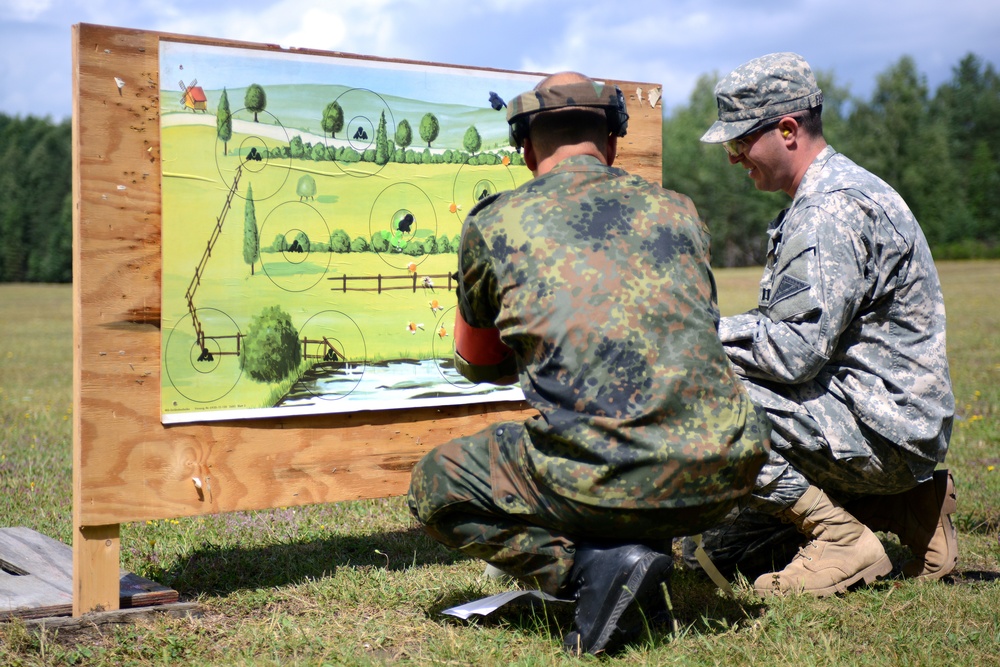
{"x":127,"y":465}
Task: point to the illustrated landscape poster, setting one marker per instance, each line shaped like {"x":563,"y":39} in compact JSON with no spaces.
{"x":311,"y":207}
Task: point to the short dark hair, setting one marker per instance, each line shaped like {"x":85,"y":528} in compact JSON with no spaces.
{"x":548,"y":130}
{"x":811,"y":121}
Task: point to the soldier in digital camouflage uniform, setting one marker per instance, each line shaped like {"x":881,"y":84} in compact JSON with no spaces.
{"x":592,"y":288}
{"x":845,"y":351}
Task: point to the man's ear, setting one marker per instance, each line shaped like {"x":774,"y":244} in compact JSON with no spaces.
{"x":530,"y":159}
{"x":612,"y":150}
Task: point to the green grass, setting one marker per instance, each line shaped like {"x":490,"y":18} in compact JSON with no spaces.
{"x":357,"y":583}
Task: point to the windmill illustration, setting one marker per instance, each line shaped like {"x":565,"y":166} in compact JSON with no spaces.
{"x":193,"y":97}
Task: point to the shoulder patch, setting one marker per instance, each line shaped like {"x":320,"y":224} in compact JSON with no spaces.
{"x":788,"y":286}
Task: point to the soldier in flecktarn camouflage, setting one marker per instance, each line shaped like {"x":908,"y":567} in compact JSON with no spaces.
{"x":845,"y":352}
{"x":592,"y":289}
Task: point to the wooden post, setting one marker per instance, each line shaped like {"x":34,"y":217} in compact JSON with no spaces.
{"x":96,"y":578}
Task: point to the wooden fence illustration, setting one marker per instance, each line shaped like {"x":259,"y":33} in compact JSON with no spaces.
{"x":412,"y":280}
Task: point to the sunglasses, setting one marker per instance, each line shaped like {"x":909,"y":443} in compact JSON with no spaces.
{"x":736,"y":147}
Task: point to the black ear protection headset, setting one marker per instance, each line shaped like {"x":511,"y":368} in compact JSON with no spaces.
{"x":597,"y":95}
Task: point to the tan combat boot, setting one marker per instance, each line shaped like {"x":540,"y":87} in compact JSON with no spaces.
{"x":921,"y":518}
{"x":842,"y":551}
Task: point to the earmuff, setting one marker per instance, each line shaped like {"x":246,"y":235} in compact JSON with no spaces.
{"x":603,"y":96}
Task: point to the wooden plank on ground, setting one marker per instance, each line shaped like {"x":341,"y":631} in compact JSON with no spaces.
{"x":88,"y":623}
{"x":36,"y":578}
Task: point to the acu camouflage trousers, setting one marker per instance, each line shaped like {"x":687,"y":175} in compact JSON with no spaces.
{"x":815,"y":440}
{"x":474,"y":494}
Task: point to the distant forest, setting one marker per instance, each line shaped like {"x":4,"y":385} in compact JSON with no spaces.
{"x":36,"y":201}
{"x":940,"y":150}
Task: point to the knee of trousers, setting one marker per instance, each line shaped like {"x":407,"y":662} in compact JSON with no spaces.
{"x":423,"y":478}
{"x":442,"y":479}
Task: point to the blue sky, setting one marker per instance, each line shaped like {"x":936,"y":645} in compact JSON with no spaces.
{"x":669,"y":42}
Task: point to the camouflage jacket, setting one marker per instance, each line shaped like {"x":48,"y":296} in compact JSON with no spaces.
{"x":850,"y":298}
{"x":600,"y":283}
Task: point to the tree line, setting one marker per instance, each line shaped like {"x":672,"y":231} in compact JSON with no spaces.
{"x":36,"y":202}
{"x":940,"y":149}
{"x":381,"y":151}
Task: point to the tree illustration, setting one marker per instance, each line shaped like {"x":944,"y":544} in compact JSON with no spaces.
{"x":340,"y":241}
{"x":404,"y":134}
{"x":301,"y":243}
{"x":296,"y":148}
{"x":472,"y":142}
{"x":271,"y":349}
{"x":306,"y":187}
{"x":255,"y":99}
{"x":333,"y":119}
{"x":251,"y":242}
{"x":382,"y":153}
{"x":224,"y":122}
{"x":429,"y":128}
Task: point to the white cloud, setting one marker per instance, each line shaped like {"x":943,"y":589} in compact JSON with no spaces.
{"x":23,"y":10}
{"x":318,"y":29}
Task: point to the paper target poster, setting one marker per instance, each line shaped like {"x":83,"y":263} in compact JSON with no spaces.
{"x":311,"y":209}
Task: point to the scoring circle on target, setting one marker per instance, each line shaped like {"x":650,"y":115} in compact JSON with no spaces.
{"x":336,"y":347}
{"x":251,"y":162}
{"x":366,"y":129}
{"x":401,"y":217}
{"x":475,"y":182}
{"x":201,"y":357}
{"x":291,"y":260}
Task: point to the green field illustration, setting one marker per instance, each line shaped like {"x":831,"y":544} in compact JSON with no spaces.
{"x":311,"y":210}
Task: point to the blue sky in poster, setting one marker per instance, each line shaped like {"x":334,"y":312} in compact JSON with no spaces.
{"x":672,"y":43}
{"x":237,"y":68}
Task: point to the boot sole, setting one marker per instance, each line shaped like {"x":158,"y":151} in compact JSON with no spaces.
{"x":869,"y":575}
{"x":638,"y":600}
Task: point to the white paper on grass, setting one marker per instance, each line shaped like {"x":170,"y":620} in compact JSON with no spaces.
{"x":486,"y":606}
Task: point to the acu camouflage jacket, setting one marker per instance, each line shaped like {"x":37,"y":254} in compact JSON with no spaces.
{"x":850,"y":299}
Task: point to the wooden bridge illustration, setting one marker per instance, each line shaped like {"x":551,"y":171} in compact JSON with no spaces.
{"x":325,"y":349}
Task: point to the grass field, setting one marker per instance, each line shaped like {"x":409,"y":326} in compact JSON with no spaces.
{"x":357,"y":583}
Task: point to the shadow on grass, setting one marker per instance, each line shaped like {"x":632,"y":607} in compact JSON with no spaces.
{"x":220,"y":570}
{"x":972,"y":577}
{"x":702,"y":608}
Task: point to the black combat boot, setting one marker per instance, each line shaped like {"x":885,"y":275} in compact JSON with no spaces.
{"x":617,"y":590}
